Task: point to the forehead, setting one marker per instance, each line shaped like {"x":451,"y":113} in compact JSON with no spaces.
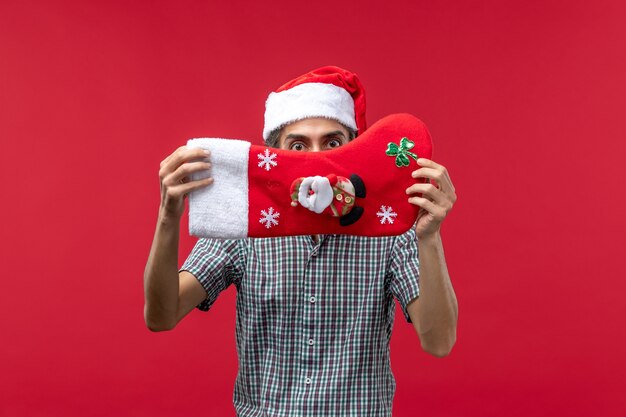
{"x":313,"y":127}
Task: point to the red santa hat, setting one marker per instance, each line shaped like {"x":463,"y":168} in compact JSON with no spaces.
{"x":329,"y":92}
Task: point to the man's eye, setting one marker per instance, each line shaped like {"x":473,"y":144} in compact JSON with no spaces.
{"x":297,"y":146}
{"x":334,"y":143}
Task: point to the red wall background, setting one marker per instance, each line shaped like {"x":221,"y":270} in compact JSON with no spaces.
{"x":525,"y":101}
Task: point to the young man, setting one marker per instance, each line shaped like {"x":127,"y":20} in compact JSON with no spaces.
{"x":314,"y":313}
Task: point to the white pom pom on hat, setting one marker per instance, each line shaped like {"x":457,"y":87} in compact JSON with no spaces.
{"x":329,"y":92}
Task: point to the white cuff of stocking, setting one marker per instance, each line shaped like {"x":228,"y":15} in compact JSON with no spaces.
{"x":229,"y":170}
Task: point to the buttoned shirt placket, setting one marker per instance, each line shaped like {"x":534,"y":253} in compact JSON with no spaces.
{"x":310,"y":353}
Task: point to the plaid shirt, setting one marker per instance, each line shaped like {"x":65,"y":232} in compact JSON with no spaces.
{"x":313,"y":321}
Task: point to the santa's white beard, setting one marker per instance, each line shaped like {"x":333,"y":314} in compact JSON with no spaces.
{"x":322,"y":194}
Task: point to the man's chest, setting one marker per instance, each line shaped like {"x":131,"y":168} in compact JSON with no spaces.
{"x":335,"y":280}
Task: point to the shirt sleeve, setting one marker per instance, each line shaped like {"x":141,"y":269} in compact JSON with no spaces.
{"x":216,"y":264}
{"x":404,"y":270}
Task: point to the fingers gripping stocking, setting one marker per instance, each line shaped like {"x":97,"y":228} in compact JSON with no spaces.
{"x":357,"y":189}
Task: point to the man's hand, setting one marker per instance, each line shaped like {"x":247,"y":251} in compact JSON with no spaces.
{"x":437,"y":198}
{"x":175,"y":174}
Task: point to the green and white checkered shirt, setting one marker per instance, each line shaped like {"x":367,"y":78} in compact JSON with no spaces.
{"x":313,"y":321}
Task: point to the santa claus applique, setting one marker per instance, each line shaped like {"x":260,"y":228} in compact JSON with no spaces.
{"x":332,"y":195}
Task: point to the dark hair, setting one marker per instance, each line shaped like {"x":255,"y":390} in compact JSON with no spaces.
{"x":274,"y":136}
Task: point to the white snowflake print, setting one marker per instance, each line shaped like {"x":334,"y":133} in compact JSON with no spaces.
{"x":269,"y":218}
{"x":267,"y":161}
{"x":386,"y":215}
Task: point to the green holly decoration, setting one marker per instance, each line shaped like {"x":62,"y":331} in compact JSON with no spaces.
{"x":402,"y":152}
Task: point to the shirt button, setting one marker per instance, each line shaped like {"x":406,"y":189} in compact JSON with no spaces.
{"x":308,"y":381}
{"x":311,"y":342}
{"x":312,"y":299}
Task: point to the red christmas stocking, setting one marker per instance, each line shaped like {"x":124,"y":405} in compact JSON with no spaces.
{"x":357,"y":189}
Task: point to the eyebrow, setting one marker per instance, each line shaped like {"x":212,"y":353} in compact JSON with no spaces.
{"x":298,"y":136}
